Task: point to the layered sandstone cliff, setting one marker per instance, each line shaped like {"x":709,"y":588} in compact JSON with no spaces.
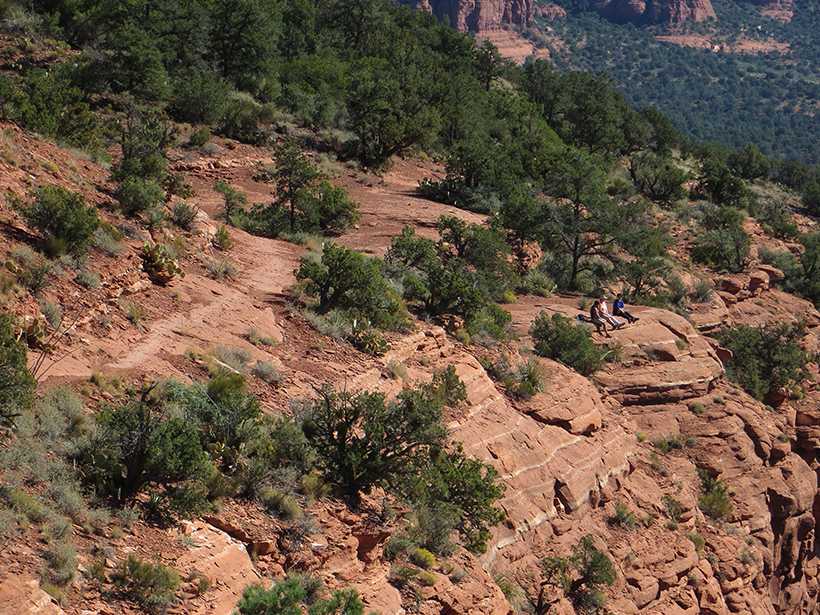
{"x":654,"y":11}
{"x":478,"y":15}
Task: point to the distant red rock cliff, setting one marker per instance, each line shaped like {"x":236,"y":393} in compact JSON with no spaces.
{"x":479,"y":15}
{"x":654,"y":11}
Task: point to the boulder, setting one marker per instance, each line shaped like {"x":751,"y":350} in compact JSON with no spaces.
{"x":224,"y":561}
{"x":21,"y":595}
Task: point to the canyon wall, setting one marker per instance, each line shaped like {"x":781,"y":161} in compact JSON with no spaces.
{"x":654,"y":11}
{"x":478,"y":15}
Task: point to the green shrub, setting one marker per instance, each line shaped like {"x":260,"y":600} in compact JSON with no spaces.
{"x":87,"y":279}
{"x":433,"y":528}
{"x":697,"y":407}
{"x":282,"y":504}
{"x":765,"y":360}
{"x":133,"y":312}
{"x":184,"y":215}
{"x":96,"y":571}
{"x":32,"y":270}
{"x":293,"y":594}
{"x":153,"y":585}
{"x":107,"y":238}
{"x":24,"y":504}
{"x":53,"y":591}
{"x":657,"y":465}
{"x":364,"y":440}
{"x":52,"y":313}
{"x":358,"y":451}
{"x":776,"y":222}
{"x":155,"y":218}
{"x":405,"y":573}
{"x":536,"y":282}
{"x":200,"y":137}
{"x":702,"y":291}
{"x":458,"y":575}
{"x":55,"y":529}
{"x":188,"y":500}
{"x":345,"y":280}
{"x":462,"y":336}
{"x":255,"y":338}
{"x":396,"y":545}
{"x":234,"y":202}
{"x":530,"y":377}
{"x":613,"y":352}
{"x":222,"y":239}
{"x":623,"y":516}
{"x":697,"y":540}
{"x":64,"y":219}
{"x":725,"y":242}
{"x":313,"y":487}
{"x":220,"y":269}
{"x":423,"y":558}
{"x":198,"y":98}
{"x":17,"y":384}
{"x":490,"y":321}
{"x":509,"y":587}
{"x":137,"y":195}
{"x":177,"y":184}
{"x":581,"y":575}
{"x":127,"y":516}
{"x":448,"y":387}
{"x":718,"y":506}
{"x":267,"y":372}
{"x":331,"y":210}
{"x":714,"y":500}
{"x":134,"y":443}
{"x":559,"y":339}
{"x":62,"y":563}
{"x":428,"y":579}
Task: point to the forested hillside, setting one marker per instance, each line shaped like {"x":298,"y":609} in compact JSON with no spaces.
{"x":715,"y":91}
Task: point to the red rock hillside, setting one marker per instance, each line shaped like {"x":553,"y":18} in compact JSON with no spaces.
{"x":614,"y":456}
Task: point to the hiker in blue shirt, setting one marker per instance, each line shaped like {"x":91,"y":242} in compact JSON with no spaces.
{"x":618,"y":309}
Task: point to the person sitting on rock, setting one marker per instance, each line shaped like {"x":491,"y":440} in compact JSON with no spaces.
{"x":618,"y":309}
{"x":595,"y":318}
{"x":607,"y":317}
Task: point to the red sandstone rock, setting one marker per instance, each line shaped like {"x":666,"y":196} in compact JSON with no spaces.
{"x":479,"y":15}
{"x":21,"y":595}
{"x":221,"y":559}
{"x":652,"y":11}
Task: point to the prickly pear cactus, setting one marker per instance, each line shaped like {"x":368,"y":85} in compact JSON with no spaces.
{"x":35,"y":333}
{"x":368,"y":340}
{"x":158,"y":265}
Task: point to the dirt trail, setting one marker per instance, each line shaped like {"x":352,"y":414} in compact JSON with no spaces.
{"x":197,"y":313}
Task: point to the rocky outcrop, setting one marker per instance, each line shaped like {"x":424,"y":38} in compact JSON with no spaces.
{"x":569,"y":454}
{"x":654,"y":11}
{"x":221,"y":559}
{"x":555,"y":452}
{"x":478,"y":15}
{"x":22,"y":596}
